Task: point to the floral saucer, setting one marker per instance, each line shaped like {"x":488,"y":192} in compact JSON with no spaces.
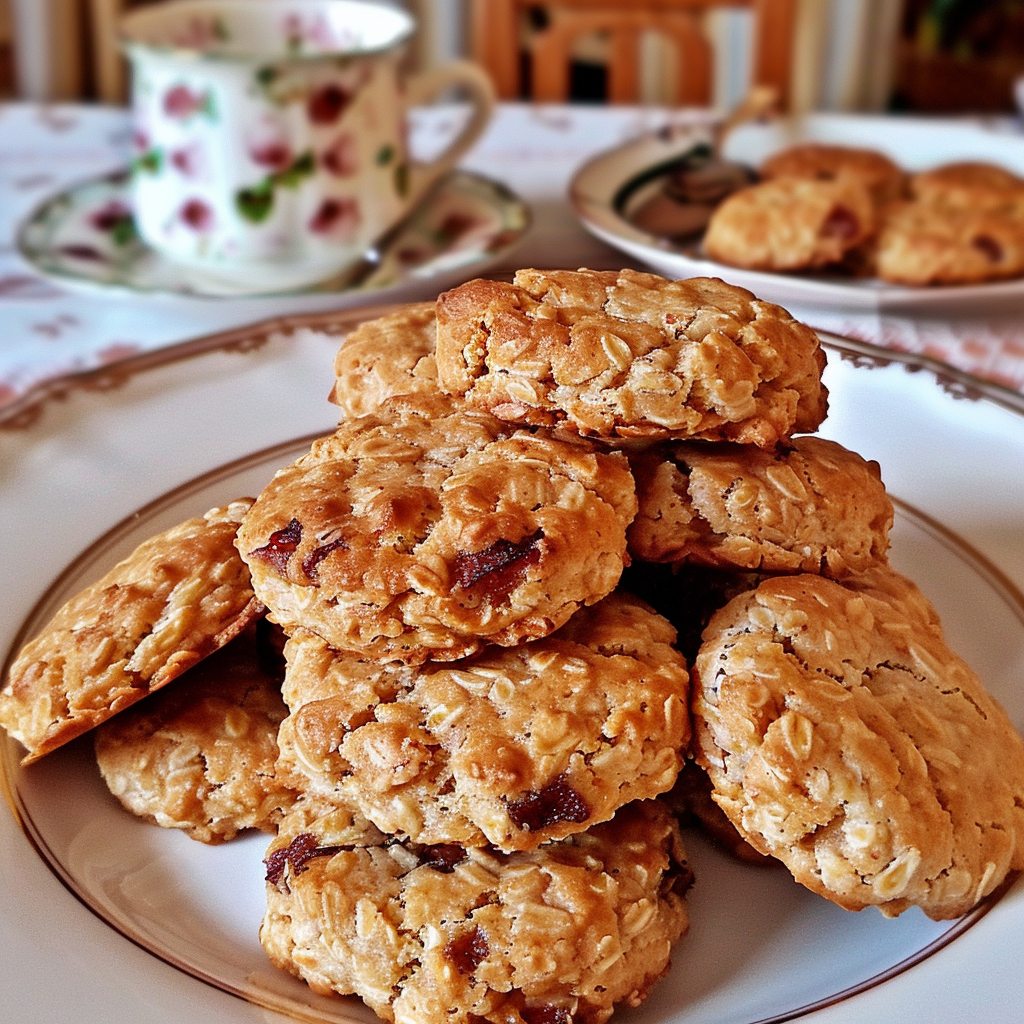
{"x":86,"y":235}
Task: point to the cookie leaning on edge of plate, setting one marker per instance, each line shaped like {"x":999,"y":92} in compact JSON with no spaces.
{"x":418,"y":532}
{"x":511,"y":747}
{"x":623,"y":354}
{"x":176,"y":598}
{"x":844,"y":737}
{"x":447,"y":935}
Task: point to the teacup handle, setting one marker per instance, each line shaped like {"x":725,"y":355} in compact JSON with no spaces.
{"x":422,"y":89}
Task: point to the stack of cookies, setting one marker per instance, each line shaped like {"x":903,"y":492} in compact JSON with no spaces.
{"x":572,"y":569}
{"x":854,"y":210}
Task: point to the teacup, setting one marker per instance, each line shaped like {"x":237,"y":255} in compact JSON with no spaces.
{"x":271,"y":137}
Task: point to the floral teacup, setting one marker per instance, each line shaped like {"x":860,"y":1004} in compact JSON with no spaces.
{"x":271,"y":137}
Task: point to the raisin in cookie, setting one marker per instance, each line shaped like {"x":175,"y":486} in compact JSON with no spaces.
{"x":200,"y":755}
{"x":175,"y":599}
{"x":812,"y":506}
{"x":844,"y":737}
{"x":884,"y":179}
{"x":791,"y":224}
{"x":448,"y":935}
{"x":625,"y":354}
{"x":923,"y":243}
{"x":391,"y":355}
{"x":512,"y":747}
{"x":422,"y":533}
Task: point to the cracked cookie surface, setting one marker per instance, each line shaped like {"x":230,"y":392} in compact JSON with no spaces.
{"x":422,"y":533}
{"x":446,"y":935}
{"x":844,"y":737}
{"x":811,"y":506}
{"x":630,"y":355}
{"x":512,"y":747}
{"x":176,"y":598}
{"x":200,"y":755}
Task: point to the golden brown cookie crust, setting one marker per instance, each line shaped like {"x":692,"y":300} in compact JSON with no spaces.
{"x":791,"y":224}
{"x":884,"y":179}
{"x":387,"y":356}
{"x":811,"y":506}
{"x":512,"y":747}
{"x":630,"y":355}
{"x":845,"y":738}
{"x":177,"y":598}
{"x":449,"y":936}
{"x":425,"y":533}
{"x":200,"y":755}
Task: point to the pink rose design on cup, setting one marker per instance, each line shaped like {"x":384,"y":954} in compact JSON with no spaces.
{"x":181,"y":103}
{"x":326,"y":104}
{"x":268,"y":145}
{"x":197,"y":214}
{"x":188,"y":160}
{"x":341,"y":156}
{"x":338,"y":218}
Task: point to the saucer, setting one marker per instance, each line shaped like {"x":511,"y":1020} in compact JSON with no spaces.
{"x":86,"y":236}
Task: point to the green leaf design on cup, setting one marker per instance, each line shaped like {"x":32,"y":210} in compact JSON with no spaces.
{"x":402,"y":178}
{"x":385,"y":155}
{"x":150,"y":162}
{"x":256,"y":202}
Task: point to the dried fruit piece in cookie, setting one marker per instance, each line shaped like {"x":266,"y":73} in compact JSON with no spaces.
{"x":422,"y":533}
{"x":791,"y":224}
{"x":175,"y":599}
{"x":512,"y":747}
{"x":625,"y":354}
{"x":844,"y":737}
{"x":881,"y":176}
{"x":446,"y":935}
{"x":200,"y":755}
{"x":388,"y":356}
{"x":921,"y":243}
{"x":812,"y":506}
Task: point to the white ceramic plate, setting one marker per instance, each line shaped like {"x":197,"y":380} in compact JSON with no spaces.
{"x":106,"y":919}
{"x":85,"y":237}
{"x":611,"y":185}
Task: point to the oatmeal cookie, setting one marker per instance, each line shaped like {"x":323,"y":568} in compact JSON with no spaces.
{"x":811,"y":506}
{"x":175,"y":599}
{"x":630,"y":355}
{"x":422,"y":533}
{"x":791,"y":224}
{"x":449,"y":935}
{"x":884,"y":179}
{"x":200,"y":755}
{"x":920,"y":243}
{"x":844,"y":737}
{"x":970,"y":184}
{"x":388,"y":356}
{"x":512,"y":747}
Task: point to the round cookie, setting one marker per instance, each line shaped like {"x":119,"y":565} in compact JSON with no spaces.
{"x":391,"y":355}
{"x":791,"y":224}
{"x":512,"y":747}
{"x":630,"y":355}
{"x":200,"y":755}
{"x":884,"y":179}
{"x":844,"y":737}
{"x":922,"y":243}
{"x":422,"y":533}
{"x":812,"y":506}
{"x":175,"y":599}
{"x":446,"y":935}
{"x":971,"y":184}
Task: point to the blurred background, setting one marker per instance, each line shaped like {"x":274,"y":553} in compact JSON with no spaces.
{"x":927,"y":56}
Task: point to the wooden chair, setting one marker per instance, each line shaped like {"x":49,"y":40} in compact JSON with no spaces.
{"x":499,"y":40}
